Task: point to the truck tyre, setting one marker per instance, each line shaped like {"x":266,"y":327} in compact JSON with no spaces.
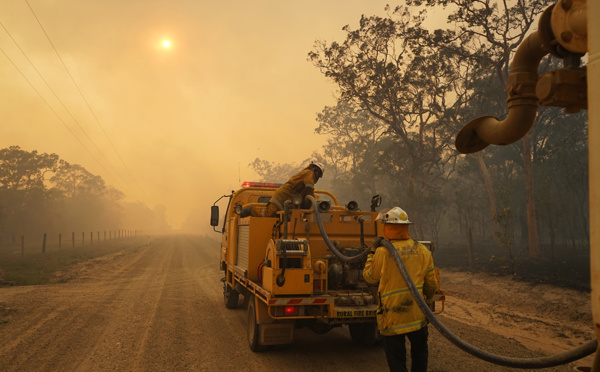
{"x":231,"y":297}
{"x":253,"y":328}
{"x":363,"y":333}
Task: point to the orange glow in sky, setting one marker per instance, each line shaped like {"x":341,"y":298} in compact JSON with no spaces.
{"x":172,"y":129}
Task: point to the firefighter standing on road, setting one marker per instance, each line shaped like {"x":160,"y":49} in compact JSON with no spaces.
{"x":302,"y":183}
{"x":398,"y":314}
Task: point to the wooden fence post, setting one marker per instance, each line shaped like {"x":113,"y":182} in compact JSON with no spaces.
{"x":98,"y":237}
{"x":22,"y":245}
{"x":92,"y":238}
{"x":59,"y":240}
{"x":83,"y":239}
{"x":73,"y":239}
{"x":44,"y":244}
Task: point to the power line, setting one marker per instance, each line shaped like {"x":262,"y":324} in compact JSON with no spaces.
{"x":51,"y":109}
{"x":64,"y":106}
{"x":82,"y":96}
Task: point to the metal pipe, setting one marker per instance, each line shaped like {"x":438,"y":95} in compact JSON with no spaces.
{"x":522,"y":103}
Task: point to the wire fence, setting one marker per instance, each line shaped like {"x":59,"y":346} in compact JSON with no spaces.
{"x":42,"y":243}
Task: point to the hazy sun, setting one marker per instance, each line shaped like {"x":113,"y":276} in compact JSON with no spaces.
{"x":166,"y":43}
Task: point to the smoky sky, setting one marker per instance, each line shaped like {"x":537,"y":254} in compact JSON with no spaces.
{"x":175,"y":126}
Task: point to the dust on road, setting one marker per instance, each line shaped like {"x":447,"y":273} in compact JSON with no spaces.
{"x":158,"y":306}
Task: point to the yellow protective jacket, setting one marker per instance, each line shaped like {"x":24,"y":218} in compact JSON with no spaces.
{"x":398,"y":313}
{"x":302,"y":183}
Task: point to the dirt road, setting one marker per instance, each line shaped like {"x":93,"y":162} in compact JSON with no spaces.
{"x":158,"y":306}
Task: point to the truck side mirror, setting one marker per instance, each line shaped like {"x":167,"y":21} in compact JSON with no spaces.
{"x":214,"y":215}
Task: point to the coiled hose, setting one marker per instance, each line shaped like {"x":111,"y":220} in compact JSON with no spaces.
{"x":542,"y":362}
{"x":534,"y":363}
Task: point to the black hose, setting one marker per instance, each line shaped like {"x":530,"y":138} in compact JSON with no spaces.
{"x":362,"y":232}
{"x":338,"y":254}
{"x":542,"y":362}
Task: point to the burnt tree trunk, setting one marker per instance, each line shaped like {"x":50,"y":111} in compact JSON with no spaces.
{"x":491,"y":196}
{"x":534,"y":244}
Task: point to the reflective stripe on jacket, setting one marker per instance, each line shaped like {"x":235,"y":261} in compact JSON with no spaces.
{"x":398,"y":313}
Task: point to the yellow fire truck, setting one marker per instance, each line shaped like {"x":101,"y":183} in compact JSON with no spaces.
{"x":302,"y":268}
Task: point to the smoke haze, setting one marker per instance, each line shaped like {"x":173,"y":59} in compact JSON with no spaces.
{"x":185,"y":120}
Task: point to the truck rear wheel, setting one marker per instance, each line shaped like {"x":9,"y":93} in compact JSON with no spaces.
{"x":363,"y":333}
{"x":253,"y":328}
{"x":231,"y":297}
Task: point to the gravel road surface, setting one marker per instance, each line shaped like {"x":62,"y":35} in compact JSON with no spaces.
{"x":158,"y":306}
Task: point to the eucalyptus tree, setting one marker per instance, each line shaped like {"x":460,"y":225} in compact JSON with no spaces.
{"x":87,"y":201}
{"x":561,"y":168}
{"x":387,"y":68}
{"x":23,"y":195}
{"x":353,"y":149}
{"x":487,"y":33}
{"x":273,"y":172}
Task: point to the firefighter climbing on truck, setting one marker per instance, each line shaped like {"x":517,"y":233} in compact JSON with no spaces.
{"x":302,"y":183}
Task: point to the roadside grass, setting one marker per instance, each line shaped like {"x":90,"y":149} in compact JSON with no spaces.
{"x":38,"y":268}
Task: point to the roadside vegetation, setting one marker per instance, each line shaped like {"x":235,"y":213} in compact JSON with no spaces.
{"x":35,"y":268}
{"x":41,"y":193}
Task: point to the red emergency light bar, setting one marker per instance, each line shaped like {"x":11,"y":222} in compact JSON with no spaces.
{"x":261,"y":184}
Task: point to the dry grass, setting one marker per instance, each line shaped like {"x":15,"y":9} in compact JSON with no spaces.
{"x":35,"y":267}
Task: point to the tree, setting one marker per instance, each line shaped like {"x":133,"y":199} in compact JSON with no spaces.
{"x":87,"y":202}
{"x":274,"y":172}
{"x":385,"y":67}
{"x":22,"y":170}
{"x":480,"y":94}
{"x":487,"y":33}
{"x":353,"y":149}
{"x":23,"y":175}
{"x":73,"y":180}
{"x":41,"y":193}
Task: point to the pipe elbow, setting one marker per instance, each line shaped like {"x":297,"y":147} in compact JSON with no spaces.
{"x":522,"y":103}
{"x":486,"y":130}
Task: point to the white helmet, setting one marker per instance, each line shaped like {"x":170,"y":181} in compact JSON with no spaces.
{"x":319,"y":166}
{"x":396,"y":215}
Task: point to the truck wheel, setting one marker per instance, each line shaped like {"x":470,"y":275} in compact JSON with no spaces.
{"x":231,"y":297}
{"x":253,"y":328}
{"x":363,"y":333}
